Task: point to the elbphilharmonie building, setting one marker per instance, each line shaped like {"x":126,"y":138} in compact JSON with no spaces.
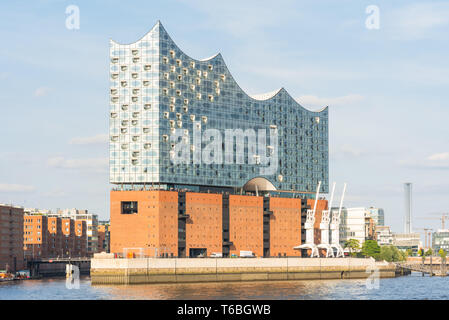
{"x":161,"y":97}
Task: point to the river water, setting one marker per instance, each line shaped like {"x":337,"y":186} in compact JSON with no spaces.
{"x":413,"y":286}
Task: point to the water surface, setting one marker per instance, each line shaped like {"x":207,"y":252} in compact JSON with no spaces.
{"x":408,"y":287}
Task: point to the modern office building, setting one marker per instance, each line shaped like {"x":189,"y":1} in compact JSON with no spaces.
{"x":405,"y":241}
{"x":11,"y":237}
{"x":440,"y":240}
{"x":353,"y":225}
{"x":384,"y":235}
{"x":378,"y":215}
{"x":199,"y":166}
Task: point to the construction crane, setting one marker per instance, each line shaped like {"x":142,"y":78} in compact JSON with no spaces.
{"x":335,"y":226}
{"x":443,"y":218}
{"x":427,"y":237}
{"x":324,"y":226}
{"x":309,"y":226}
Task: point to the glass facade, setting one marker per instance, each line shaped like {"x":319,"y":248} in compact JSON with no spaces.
{"x":440,"y":240}
{"x":156,"y":89}
{"x":378,"y":216}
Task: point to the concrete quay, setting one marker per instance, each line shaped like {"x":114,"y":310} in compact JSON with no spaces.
{"x":107,"y":270}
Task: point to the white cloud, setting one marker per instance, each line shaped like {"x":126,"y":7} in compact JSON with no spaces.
{"x":54,"y":194}
{"x":439,"y":156}
{"x":347,"y":151}
{"x":244,"y":19}
{"x":41,"y":92}
{"x":419,"y":20}
{"x":314,"y":101}
{"x":433,"y":161}
{"x":16,"y":188}
{"x":97,"y":139}
{"x":96,"y":164}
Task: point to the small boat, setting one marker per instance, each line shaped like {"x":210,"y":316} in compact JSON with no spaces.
{"x":6,"y":276}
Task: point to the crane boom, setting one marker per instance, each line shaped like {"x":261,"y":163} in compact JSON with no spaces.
{"x":341,"y":200}
{"x":316,"y":197}
{"x":332,"y":196}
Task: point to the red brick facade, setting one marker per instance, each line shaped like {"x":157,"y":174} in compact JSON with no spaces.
{"x":152,"y":223}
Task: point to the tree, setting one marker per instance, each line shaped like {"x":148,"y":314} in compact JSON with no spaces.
{"x":396,"y":254}
{"x":409,"y":252}
{"x":421,"y":252}
{"x":403,"y":255}
{"x":442,"y":253}
{"x":370,"y":248}
{"x":391,"y":253}
{"x":429,"y":252}
{"x":353,"y":245}
{"x":386,"y":253}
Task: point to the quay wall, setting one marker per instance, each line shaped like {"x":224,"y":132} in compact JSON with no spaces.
{"x":169,"y":270}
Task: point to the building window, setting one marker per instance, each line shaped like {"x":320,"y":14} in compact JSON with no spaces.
{"x":129,"y":207}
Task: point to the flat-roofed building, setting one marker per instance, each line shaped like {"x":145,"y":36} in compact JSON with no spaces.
{"x":68,"y":238}
{"x":35,"y":236}
{"x":103,"y":236}
{"x":54,"y":236}
{"x":384,"y":235}
{"x":192,"y":224}
{"x":440,"y":240}
{"x":80,"y":248}
{"x":353,"y":225}
{"x":405,"y":241}
{"x":378,"y":215}
{"x":91,"y":223}
{"x":11,"y":238}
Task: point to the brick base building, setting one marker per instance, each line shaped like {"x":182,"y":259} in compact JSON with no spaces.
{"x":191,"y":224}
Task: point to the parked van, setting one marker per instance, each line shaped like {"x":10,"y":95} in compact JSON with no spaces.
{"x":247,"y":254}
{"x":216,"y":255}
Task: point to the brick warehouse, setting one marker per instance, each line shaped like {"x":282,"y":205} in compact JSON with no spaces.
{"x":11,"y":237}
{"x":189,"y":224}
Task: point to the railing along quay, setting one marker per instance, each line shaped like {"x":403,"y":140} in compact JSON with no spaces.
{"x":424,"y":269}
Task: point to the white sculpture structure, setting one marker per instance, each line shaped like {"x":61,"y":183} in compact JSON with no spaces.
{"x":308,"y":225}
{"x":324,"y":227}
{"x":335,"y":227}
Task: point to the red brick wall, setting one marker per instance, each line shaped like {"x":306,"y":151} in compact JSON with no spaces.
{"x":35,"y":230}
{"x":11,"y":238}
{"x":154,"y":228}
{"x":204,"y":226}
{"x":246,"y":224}
{"x":285,"y":226}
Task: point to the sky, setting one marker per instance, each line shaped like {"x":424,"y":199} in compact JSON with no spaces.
{"x":387,"y":90}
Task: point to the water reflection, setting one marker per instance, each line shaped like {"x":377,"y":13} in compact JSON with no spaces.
{"x":409,"y":287}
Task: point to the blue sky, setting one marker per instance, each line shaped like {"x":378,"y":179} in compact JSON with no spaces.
{"x":387,"y":90}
